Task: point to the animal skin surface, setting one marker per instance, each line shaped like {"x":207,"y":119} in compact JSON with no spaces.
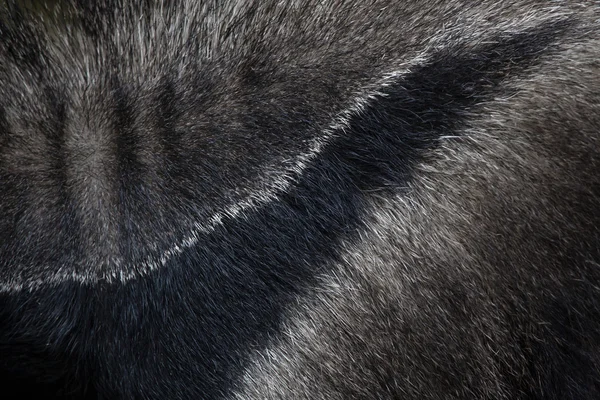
{"x":302,"y":199}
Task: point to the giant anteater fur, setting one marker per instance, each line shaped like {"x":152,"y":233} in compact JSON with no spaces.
{"x":303,"y":199}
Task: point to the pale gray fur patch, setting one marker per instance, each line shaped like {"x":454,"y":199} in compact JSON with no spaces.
{"x":470,"y":27}
{"x":270,"y":190}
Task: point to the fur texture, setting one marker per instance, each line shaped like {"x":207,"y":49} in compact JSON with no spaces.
{"x":300,"y":199}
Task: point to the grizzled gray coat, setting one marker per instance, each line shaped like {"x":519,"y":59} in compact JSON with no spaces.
{"x":303,"y":199}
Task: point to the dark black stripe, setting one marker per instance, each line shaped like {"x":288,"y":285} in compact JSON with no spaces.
{"x":193,"y":323}
{"x":236,"y":282}
{"x":67,"y":222}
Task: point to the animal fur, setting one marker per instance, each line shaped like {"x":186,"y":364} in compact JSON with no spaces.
{"x":316,"y":199}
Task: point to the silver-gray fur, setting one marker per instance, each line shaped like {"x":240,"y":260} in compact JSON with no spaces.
{"x":300,"y":199}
